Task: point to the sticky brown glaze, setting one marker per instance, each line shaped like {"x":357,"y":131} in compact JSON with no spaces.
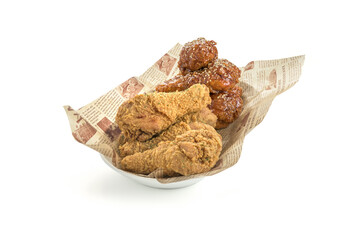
{"x":221,"y":75}
{"x":226,"y":106}
{"x":197,"y":54}
{"x":224,"y":75}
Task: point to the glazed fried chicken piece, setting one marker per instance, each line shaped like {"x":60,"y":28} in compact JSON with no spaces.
{"x":187,"y":122}
{"x":225,"y":75}
{"x":195,"y":151}
{"x":227,"y":106}
{"x":197,"y":54}
{"x":145,"y":115}
{"x":221,"y":78}
{"x":221,"y":75}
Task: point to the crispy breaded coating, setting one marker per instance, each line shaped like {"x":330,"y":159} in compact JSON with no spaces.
{"x":186,"y":123}
{"x":221,"y":75}
{"x":195,"y":151}
{"x":197,"y":54}
{"x":227,"y":106}
{"x":205,"y":115}
{"x":145,"y":115}
{"x":132,"y":147}
{"x":200,"y":125}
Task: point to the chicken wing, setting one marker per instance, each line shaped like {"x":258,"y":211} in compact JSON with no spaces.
{"x":221,"y":75}
{"x":226,"y":106}
{"x":197,"y":54}
{"x":195,"y":151}
{"x":187,"y":122}
{"x":145,"y":115}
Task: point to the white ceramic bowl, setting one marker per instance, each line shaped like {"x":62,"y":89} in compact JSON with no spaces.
{"x":152,"y":182}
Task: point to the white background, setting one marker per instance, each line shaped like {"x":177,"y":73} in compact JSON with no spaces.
{"x":298,"y":175}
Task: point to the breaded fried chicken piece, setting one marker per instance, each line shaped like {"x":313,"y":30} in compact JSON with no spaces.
{"x":132,"y":147}
{"x":145,"y":115}
{"x":221,"y":75}
{"x":226,"y":106}
{"x":198,"y":151}
{"x":195,"y":151}
{"x":197,"y":54}
{"x":200,"y":125}
{"x":205,"y":115}
{"x":187,"y":122}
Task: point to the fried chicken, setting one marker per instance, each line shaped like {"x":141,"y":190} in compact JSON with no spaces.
{"x":221,"y":75}
{"x":224,"y":75}
{"x":132,"y":147}
{"x":197,"y":54}
{"x":226,"y":106}
{"x":221,"y":78}
{"x":187,"y":122}
{"x":145,"y":115}
{"x":195,"y":151}
{"x":205,"y":115}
